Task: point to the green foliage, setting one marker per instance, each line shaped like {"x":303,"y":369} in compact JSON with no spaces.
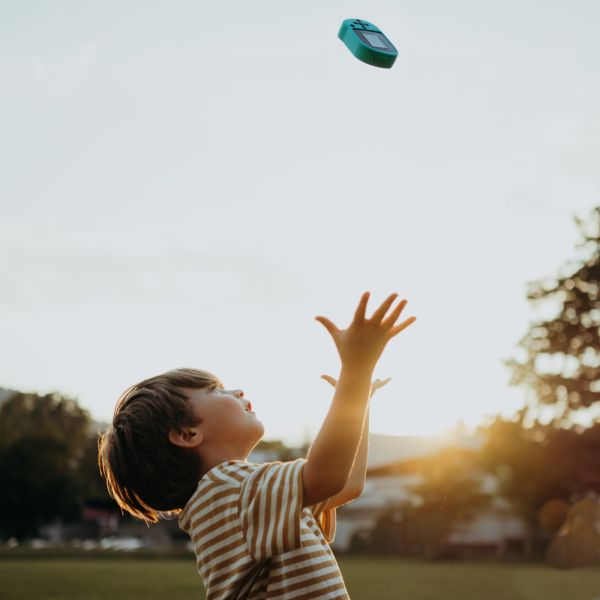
{"x":526,"y":472}
{"x":536,"y":462}
{"x":51,"y":416}
{"x":37,"y":483}
{"x":448,"y":493}
{"x":48,"y":465}
{"x":91,"y":485}
{"x":450,"y":485}
{"x":562,"y":361}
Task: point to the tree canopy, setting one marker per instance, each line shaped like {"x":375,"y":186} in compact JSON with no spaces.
{"x":539,"y":461}
{"x":562,"y":365}
{"x":45,"y":468}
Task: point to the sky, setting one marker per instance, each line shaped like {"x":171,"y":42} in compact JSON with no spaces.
{"x":189,"y":184}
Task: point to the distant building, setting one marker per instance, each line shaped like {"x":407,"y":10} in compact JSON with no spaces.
{"x":493,"y":531}
{"x":389,"y":479}
{"x":274,"y":450}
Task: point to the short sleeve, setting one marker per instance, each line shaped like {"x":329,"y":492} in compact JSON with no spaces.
{"x":326,"y":519}
{"x":270,"y":508}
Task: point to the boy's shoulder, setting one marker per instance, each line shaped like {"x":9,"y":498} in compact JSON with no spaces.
{"x":230,"y":471}
{"x":236,"y":471}
{"x":233,"y":473}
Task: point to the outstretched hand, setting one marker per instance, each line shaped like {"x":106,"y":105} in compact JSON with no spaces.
{"x":361,"y":344}
{"x":375,"y":385}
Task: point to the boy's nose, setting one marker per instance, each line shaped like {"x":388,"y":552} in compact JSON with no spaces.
{"x":239,"y":393}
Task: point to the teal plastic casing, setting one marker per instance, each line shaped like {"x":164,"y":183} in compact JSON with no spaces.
{"x":368,"y":43}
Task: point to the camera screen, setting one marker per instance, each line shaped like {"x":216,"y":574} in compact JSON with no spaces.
{"x":376,"y":40}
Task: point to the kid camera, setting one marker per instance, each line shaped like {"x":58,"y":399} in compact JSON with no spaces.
{"x":367,"y":43}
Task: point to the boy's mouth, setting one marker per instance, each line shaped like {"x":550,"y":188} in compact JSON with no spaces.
{"x":249,"y":407}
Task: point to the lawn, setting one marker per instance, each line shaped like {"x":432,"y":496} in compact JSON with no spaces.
{"x":366,"y":579}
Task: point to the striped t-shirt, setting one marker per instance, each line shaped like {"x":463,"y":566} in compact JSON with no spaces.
{"x":253,"y":539}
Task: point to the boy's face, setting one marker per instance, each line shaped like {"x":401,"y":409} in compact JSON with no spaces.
{"x":228,"y":425}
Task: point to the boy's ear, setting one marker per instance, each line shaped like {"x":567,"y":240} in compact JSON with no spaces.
{"x":186,"y":437}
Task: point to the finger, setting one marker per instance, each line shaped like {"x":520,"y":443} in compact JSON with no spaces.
{"x":378,"y":383}
{"x":394,"y":314}
{"x":380,"y":312}
{"x":396,"y":330}
{"x":359,"y":315}
{"x":333,"y":330}
{"x":329,"y":379}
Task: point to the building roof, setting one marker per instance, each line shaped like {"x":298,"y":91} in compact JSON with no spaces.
{"x":386,"y":450}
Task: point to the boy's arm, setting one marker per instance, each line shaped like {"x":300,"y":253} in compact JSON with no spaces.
{"x":333,"y":452}
{"x":356,"y":480}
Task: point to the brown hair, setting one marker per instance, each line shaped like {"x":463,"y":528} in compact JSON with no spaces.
{"x":145,"y":473}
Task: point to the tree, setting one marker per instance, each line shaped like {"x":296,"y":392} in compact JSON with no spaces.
{"x":92,"y":487}
{"x":527,"y":468}
{"x":538,"y":465}
{"x":51,"y":416}
{"x":562,"y":366}
{"x":37,"y":485}
{"x":448,"y":493}
{"x":42,"y":443}
{"x":557,"y":460}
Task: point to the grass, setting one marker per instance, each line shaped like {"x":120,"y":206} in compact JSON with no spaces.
{"x":366,"y":579}
{"x":387,"y":579}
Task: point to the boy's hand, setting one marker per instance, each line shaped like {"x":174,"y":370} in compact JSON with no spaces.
{"x":375,"y":385}
{"x":361,"y":345}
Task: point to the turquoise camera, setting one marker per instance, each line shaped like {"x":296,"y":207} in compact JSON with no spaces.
{"x":368,"y":43}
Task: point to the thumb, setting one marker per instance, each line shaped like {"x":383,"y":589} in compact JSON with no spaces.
{"x":327,"y":324}
{"x":329,"y":379}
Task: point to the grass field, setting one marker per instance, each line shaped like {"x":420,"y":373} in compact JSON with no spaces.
{"x":366,"y":579}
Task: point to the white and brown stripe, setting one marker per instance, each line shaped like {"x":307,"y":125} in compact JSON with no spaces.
{"x":246,"y":516}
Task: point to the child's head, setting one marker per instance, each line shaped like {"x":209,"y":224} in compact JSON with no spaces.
{"x":167,"y":431}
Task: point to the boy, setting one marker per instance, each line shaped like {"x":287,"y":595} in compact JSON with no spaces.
{"x":178,"y":445}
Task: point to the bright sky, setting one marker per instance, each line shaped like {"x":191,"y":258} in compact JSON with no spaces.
{"x":190,"y":184}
